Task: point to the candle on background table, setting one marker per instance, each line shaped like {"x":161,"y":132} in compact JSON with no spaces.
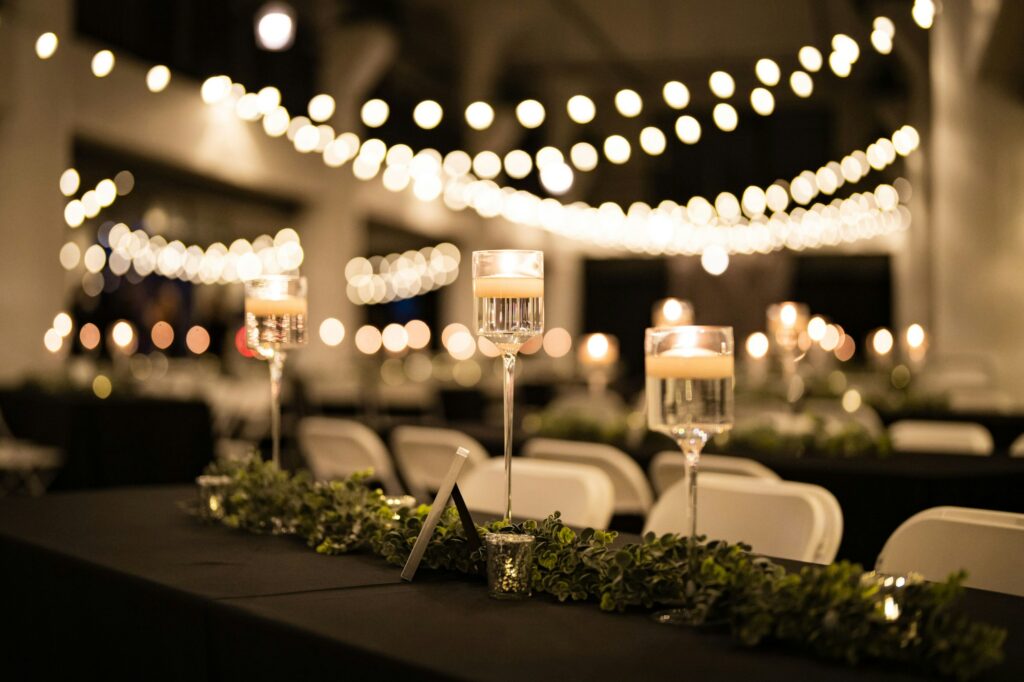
{"x":498,"y":286}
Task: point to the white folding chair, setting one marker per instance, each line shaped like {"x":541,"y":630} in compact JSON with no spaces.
{"x":781,"y":519}
{"x":953,"y":438}
{"x":632,"y":491}
{"x":668,"y":467}
{"x":336,"y":448}
{"x":989,"y":545}
{"x":423,"y":455}
{"x":583,"y":493}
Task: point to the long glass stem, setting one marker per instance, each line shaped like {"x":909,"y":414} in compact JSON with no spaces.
{"x":509,"y":360}
{"x":276,"y":364}
{"x":691,"y":443}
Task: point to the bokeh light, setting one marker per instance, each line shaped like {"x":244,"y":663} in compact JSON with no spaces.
{"x":197,"y":340}
{"x":332,"y":331}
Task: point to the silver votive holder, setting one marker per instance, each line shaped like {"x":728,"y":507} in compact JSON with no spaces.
{"x":509,"y":565}
{"x":211,"y":495}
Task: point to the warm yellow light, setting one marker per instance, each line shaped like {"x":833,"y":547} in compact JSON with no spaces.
{"x":518,"y":164}
{"x":479,"y":115}
{"x":427,"y":114}
{"x":754,"y":201}
{"x":157,"y":78}
{"x":923,"y":13}
{"x":846,"y":46}
{"x":688,"y":129}
{"x":419,"y":334}
{"x":676,"y":94}
{"x":215,"y":89}
{"x":106,"y":192}
{"x":715,"y":260}
{"x":275,"y":122}
{"x":461,"y":345}
{"x":486,"y":165}
{"x":884,"y":25}
{"x":628,"y":103}
{"x":556,"y":178}
{"x":395,"y":338}
{"x":368,"y":339}
{"x":95,"y":258}
{"x":197,"y":340}
{"x":46,"y":45}
{"x":557,"y":342}
{"x":652,"y":140}
{"x":762,"y":101}
{"x":269,"y":98}
{"x":767,"y":71}
{"x":89,"y":336}
{"x":757,"y":345}
{"x":915,"y":336}
{"x":851,"y":400}
{"x":839,"y":64}
{"x":69,"y":182}
{"x":584,"y":156}
{"x":597,"y":347}
{"x":52,"y":340}
{"x":846,"y":348}
{"x":882,"y":341}
{"x":321,"y":107}
{"x":122,"y":334}
{"x":722,"y":84}
{"x":617,"y":149}
{"x":801,"y":83}
{"x":725,"y":117}
{"x":307,"y":138}
{"x":810,"y":58}
{"x":530,"y":113}
{"x":102,"y":63}
{"x":101,"y":387}
{"x":881,"y":41}
{"x":581,"y":109}
{"x":816,"y":328}
{"x":374,"y":113}
{"x":62,"y":324}
{"x":673,"y":312}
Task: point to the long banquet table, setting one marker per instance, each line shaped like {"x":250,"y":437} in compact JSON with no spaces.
{"x":123,"y":584}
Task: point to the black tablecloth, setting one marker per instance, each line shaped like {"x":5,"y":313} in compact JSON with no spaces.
{"x":123,"y":440}
{"x":122,"y":584}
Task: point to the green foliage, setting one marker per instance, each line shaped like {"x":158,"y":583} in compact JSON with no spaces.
{"x":836,"y":612}
{"x":579,"y":424}
{"x":821,"y":438}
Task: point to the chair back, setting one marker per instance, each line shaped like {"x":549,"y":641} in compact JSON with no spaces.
{"x":336,"y":448}
{"x":583,"y":493}
{"x":632,"y":491}
{"x":953,"y":438}
{"x":668,"y":468}
{"x":423,"y":455}
{"x":781,"y":519}
{"x":989,"y":545}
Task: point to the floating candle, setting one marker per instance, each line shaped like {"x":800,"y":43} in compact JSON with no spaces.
{"x":690,"y":364}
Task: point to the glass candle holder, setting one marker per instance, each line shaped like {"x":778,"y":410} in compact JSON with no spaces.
{"x":509,"y":565}
{"x":508,"y":290}
{"x":211,"y":495}
{"x":275,"y":320}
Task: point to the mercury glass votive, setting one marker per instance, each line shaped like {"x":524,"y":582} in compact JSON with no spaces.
{"x":509,"y":565}
{"x":211,"y":495}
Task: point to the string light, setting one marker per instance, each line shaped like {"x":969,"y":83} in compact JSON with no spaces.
{"x":725,"y":117}
{"x":584,"y":156}
{"x":479,"y":115}
{"x":102,"y":63}
{"x":767,"y":71}
{"x":427,"y":114}
{"x":321,"y":107}
{"x":810,"y":58}
{"x":676,"y":94}
{"x":580,"y":109}
{"x":923,"y":13}
{"x":762,"y":101}
{"x":400,"y":276}
{"x":530,"y":113}
{"x":722,"y":85}
{"x":688,"y":129}
{"x":617,"y":149}
{"x":652,"y":140}
{"x":628,"y":103}
{"x":801,"y":83}
{"x":46,"y":45}
{"x":69,"y":182}
{"x":158,"y":78}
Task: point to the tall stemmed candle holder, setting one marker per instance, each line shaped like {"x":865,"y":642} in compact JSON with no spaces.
{"x":689,"y":391}
{"x":275,"y":320}
{"x":508,"y":290}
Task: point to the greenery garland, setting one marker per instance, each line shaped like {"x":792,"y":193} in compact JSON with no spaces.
{"x":837,"y":612}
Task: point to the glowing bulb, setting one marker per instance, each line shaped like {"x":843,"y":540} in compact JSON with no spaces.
{"x":530,"y":113}
{"x":882,"y":42}
{"x":275,"y":123}
{"x":69,"y":256}
{"x":479,"y":115}
{"x":69,"y":182}
{"x":676,"y":94}
{"x":332,"y":331}
{"x":652,"y":140}
{"x":810,"y":58}
{"x":427,"y":114}
{"x":688,"y":129}
{"x":672,"y":310}
{"x":628,"y":103}
{"x":157,"y":78}
{"x":715,"y":260}
{"x":788,"y":315}
{"x":102,"y":63}
{"x":725,"y":117}
{"x":754,"y":201}
{"x":556,"y":178}
{"x":46,"y":45}
{"x":762,"y":101}
{"x":215,"y":89}
{"x":395,"y":338}
{"x":584,"y":156}
{"x":884,"y":25}
{"x":801,"y":83}
{"x":321,"y":108}
{"x":122,"y":334}
{"x":581,"y":109}
{"x":816,"y":328}
{"x":882,"y":341}
{"x":597,"y":346}
{"x":368,"y":340}
{"x":374,"y":113}
{"x":851,"y":400}
{"x":923,"y":13}
{"x":839,"y":64}
{"x":757,"y":345}
{"x":722,"y":84}
{"x":62,"y":324}
{"x":767,"y":71}
{"x":617,"y":149}
{"x":557,"y":342}
{"x":197,"y":340}
{"x":52,"y":340}
{"x":268,"y":98}
{"x":518,"y":164}
{"x":275,"y":27}
{"x":846,"y":46}
{"x":486,"y":165}
{"x":915,"y":336}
